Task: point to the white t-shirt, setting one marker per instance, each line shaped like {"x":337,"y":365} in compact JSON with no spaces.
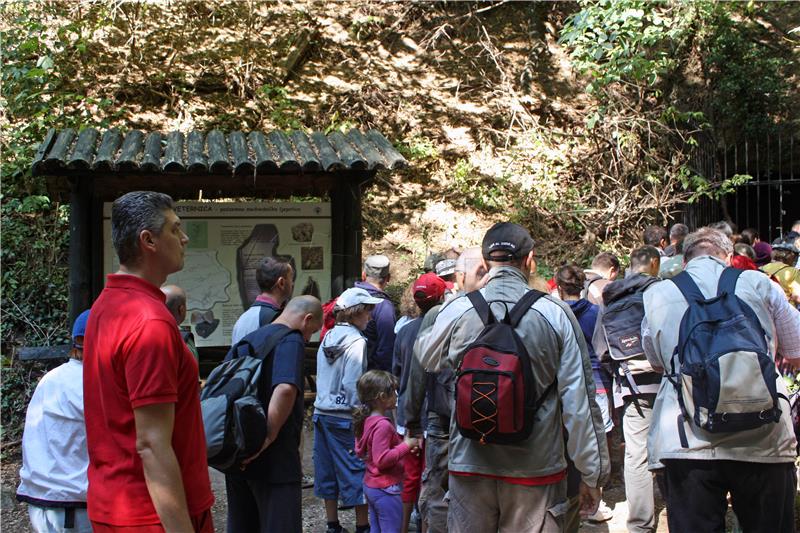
{"x":54,"y":453}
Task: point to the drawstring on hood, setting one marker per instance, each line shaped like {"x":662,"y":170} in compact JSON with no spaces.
{"x":339,"y":339}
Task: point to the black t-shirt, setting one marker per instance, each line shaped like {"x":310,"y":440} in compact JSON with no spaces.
{"x":280,"y":462}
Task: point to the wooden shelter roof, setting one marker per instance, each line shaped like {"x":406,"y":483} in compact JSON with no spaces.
{"x":232,"y":164}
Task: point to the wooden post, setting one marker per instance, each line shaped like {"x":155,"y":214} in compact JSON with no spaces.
{"x":346,"y":230}
{"x":80,"y":246}
{"x":98,"y":276}
{"x":338,"y":206}
{"x":353,"y":229}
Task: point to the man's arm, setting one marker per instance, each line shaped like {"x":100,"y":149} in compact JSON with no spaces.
{"x":397,"y":358}
{"x":587,"y":441}
{"x":280,"y":407}
{"x":414,"y":397}
{"x":162,"y":474}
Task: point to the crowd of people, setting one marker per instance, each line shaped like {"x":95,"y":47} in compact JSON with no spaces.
{"x":488,"y":403}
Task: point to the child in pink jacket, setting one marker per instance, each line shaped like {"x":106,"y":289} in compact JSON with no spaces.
{"x":382,"y":449}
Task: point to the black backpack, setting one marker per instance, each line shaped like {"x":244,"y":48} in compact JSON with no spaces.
{"x":233,"y":418}
{"x":495,"y":397}
{"x":725,"y":379}
{"x":621,"y":325}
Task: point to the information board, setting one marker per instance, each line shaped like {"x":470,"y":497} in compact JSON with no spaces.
{"x":227,"y":241}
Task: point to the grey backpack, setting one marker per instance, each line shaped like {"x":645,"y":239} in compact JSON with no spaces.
{"x":233,"y":418}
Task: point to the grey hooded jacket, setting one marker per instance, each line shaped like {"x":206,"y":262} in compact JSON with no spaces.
{"x":557,"y":349}
{"x":341,"y":360}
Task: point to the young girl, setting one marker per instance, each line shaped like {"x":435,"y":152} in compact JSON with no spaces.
{"x":383,"y":450}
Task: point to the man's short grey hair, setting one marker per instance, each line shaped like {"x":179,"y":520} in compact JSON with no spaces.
{"x":131,"y":214}
{"x":706,"y":241}
{"x":722,"y":226}
{"x":678,"y":231}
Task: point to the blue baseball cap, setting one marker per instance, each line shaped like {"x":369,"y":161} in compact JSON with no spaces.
{"x":79,"y":328}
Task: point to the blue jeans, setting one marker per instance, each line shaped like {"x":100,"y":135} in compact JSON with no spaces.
{"x":385,"y":509}
{"x":338,"y":471}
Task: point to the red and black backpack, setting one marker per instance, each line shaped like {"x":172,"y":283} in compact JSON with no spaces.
{"x":495,"y":390}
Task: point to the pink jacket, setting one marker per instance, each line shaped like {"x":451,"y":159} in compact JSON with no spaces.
{"x":383,"y":451}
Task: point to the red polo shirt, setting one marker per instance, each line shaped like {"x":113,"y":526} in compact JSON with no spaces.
{"x":134,"y":356}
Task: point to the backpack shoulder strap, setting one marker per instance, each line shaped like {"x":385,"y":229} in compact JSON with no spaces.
{"x":522,"y":306}
{"x":266,"y":314}
{"x":482,"y":307}
{"x":245,"y":348}
{"x":688,"y":287}
{"x":727,"y":281}
{"x":271,"y":342}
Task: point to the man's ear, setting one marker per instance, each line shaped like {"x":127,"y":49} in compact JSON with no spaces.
{"x":363,"y":276}
{"x":530,"y":262}
{"x":147,"y":240}
{"x":655,"y":266}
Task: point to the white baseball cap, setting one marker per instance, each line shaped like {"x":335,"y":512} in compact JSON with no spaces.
{"x":355,"y":296}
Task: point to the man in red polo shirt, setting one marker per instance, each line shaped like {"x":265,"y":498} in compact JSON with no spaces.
{"x":144,"y":429}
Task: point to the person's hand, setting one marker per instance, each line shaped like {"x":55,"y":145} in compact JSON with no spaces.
{"x":413,"y":444}
{"x":250,"y":459}
{"x":589,"y":498}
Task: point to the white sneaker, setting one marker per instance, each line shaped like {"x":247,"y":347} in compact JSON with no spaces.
{"x":603,"y":513}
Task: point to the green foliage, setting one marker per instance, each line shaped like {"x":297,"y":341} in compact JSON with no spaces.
{"x":484,"y":194}
{"x":749,"y":82}
{"x":34,"y":278}
{"x":418,"y":148}
{"x":642,"y":61}
{"x":282,"y":112}
{"x":38,"y":92}
{"x":625,"y":41}
{"x":19,"y":380}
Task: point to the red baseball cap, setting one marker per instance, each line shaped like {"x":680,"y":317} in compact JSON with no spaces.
{"x":429,"y":289}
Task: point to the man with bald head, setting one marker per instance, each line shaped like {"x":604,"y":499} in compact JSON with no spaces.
{"x":266,"y":495}
{"x":176,"y":304}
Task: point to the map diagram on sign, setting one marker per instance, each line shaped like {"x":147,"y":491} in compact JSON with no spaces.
{"x":199,"y":269}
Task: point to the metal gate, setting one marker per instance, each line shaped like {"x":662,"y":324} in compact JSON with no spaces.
{"x":769,"y":202}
